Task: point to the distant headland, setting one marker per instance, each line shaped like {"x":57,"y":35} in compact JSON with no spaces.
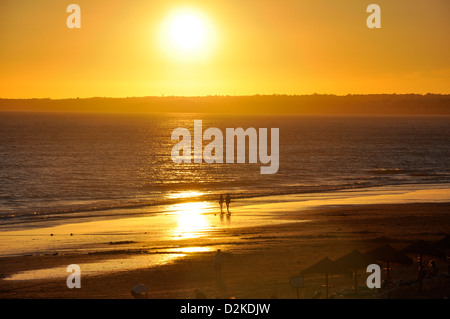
{"x":413,"y":104}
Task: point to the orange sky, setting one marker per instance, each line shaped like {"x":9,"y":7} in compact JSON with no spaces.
{"x":253,"y":47}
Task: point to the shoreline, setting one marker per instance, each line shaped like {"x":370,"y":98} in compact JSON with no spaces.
{"x":259,"y":260}
{"x":144,"y":207}
{"x":168,"y":225}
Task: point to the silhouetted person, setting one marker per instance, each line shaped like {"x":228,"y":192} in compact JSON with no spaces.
{"x":434,"y":270}
{"x":422,"y":272}
{"x":228,"y":201}
{"x":221,"y":200}
{"x":218,"y":264}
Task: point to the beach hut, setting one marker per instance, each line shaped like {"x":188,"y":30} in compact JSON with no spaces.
{"x":389,"y":255}
{"x":325,"y":266}
{"x":355,"y":260}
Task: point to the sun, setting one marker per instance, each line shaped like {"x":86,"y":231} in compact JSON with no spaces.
{"x":187,"y":34}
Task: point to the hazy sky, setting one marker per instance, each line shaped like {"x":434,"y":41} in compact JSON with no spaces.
{"x":125,"y":48}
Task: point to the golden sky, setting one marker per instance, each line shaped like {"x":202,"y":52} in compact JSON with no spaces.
{"x":126,"y":48}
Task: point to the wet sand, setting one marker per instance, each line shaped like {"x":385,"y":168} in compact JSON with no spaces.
{"x":264,"y":245}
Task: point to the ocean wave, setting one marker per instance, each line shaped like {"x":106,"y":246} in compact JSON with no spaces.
{"x":410,"y":172}
{"x":133,"y":207}
{"x":388,"y":171}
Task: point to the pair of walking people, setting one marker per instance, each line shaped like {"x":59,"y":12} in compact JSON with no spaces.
{"x":227,"y":201}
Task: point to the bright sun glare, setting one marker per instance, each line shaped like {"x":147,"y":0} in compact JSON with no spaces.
{"x":192,"y":222}
{"x":187,"y":33}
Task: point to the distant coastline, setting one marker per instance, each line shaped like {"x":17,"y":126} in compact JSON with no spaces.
{"x":356,"y":104}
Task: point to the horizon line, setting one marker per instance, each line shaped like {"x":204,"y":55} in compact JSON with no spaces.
{"x":222,"y":95}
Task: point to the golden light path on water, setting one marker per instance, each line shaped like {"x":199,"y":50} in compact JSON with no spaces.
{"x":188,"y":194}
{"x":191,"y":222}
{"x":112,"y":265}
{"x":96,"y":268}
{"x":194,"y":220}
{"x":191,"y":219}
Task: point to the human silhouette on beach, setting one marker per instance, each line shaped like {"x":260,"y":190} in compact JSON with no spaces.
{"x":228,"y":201}
{"x":434,"y":270}
{"x":221,"y":200}
{"x":421,"y":273}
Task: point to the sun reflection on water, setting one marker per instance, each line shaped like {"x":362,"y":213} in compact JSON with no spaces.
{"x":185,"y":194}
{"x":191,"y":249}
{"x":100,"y":267}
{"x":191,"y":219}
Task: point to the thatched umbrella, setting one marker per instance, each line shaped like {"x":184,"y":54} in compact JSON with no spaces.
{"x":389,"y":255}
{"x":421,"y":247}
{"x":325,"y":266}
{"x":355,"y":260}
{"x":443,"y":244}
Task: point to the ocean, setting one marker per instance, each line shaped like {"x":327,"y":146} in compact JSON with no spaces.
{"x":54,"y":165}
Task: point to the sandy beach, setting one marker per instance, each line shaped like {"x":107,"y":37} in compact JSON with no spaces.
{"x":244,"y":150}
{"x":264,"y":245}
